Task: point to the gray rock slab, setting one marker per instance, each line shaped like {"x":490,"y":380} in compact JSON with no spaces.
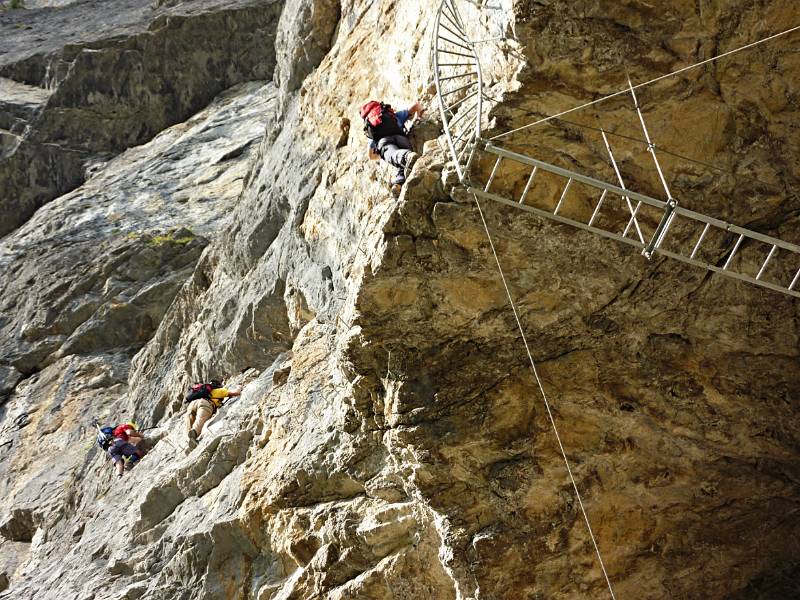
{"x":110,"y":256}
{"x":117,"y":73}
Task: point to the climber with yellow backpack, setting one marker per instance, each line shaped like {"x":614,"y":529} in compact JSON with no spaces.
{"x":204,"y":399}
{"x":386,"y":130}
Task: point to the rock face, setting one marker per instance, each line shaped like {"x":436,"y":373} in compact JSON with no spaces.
{"x":391,"y":441}
{"x":95,"y":77}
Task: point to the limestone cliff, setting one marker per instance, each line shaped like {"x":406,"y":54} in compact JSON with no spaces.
{"x":185,"y":194}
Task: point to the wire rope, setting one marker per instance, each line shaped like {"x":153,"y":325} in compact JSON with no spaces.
{"x":628,"y":90}
{"x":631,"y":139}
{"x":544,"y":397}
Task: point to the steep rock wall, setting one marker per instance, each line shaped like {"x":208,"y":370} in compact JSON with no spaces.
{"x":391,"y":442}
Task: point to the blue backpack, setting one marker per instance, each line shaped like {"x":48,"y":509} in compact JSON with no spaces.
{"x":105,"y":437}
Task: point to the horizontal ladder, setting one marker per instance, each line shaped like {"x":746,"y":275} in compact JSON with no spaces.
{"x":775,"y":250}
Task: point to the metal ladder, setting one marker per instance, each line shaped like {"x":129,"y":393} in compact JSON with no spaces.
{"x":623,"y":223}
{"x":715,"y":245}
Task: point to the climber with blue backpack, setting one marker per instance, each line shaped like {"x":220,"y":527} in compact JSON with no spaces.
{"x":204,"y":399}
{"x":386,"y":130}
{"x":122,"y":445}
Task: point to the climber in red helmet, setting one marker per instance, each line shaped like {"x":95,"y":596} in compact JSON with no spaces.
{"x":388,"y":137}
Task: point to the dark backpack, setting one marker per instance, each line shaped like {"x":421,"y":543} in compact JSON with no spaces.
{"x":105,"y":437}
{"x":198,"y":391}
{"x":202,"y":390}
{"x":380,"y":120}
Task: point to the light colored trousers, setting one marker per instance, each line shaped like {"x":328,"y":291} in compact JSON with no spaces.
{"x":200,"y":411}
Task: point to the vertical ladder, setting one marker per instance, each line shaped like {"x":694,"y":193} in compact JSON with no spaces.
{"x":457,"y":74}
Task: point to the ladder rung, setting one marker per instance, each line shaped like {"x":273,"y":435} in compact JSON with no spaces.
{"x":700,"y":240}
{"x":597,"y":208}
{"x":458,"y":89}
{"x":735,"y":248}
{"x":452,"y":14}
{"x":459,"y":36}
{"x":563,"y":195}
{"x":463,"y":114}
{"x":633,"y":220}
{"x":796,"y":275}
{"x":764,"y":266}
{"x":449,"y":41}
{"x":449,"y":77}
{"x":464,"y":99}
{"x":454,"y":53}
{"x":662,"y":231}
{"x":494,"y":170}
{"x":463,"y":151}
{"x":467,"y":130}
{"x":528,"y":185}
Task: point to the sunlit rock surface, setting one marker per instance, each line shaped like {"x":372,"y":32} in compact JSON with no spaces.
{"x":391,"y":441}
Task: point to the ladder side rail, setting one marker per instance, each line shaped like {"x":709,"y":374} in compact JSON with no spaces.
{"x":479,"y":83}
{"x":567,"y":174}
{"x":547,"y":214}
{"x":442,"y":107}
{"x":448,"y":19}
{"x":679,"y":210}
{"x":731,"y":274}
{"x":632,"y":242}
{"x":725,"y":226}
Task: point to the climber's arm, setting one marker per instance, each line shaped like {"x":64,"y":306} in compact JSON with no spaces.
{"x":416,"y":110}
